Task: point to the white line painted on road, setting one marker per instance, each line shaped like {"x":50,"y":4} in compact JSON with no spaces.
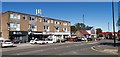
{"x":93,"y":48}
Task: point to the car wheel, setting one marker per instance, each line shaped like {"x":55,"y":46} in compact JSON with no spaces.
{"x":35,"y":43}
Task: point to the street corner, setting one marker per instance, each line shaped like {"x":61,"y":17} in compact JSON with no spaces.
{"x":106,"y":49}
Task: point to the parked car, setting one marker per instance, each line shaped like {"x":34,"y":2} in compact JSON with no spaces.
{"x":48,"y":41}
{"x":6,"y":43}
{"x":83,"y":38}
{"x":37,"y":41}
{"x":89,"y":39}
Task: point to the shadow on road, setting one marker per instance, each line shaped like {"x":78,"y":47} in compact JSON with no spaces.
{"x":110,"y":44}
{"x":9,"y":47}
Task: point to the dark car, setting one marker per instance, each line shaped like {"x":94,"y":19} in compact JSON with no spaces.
{"x":89,"y":39}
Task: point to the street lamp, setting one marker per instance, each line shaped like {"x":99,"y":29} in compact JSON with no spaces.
{"x":113,"y":22}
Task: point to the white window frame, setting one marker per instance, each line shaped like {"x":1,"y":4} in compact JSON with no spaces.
{"x":32,"y":17}
{"x":56,"y":30}
{"x":51,"y":21}
{"x":46,"y":21}
{"x":18,"y":27}
{"x":46,"y":28}
{"x":13,"y":25}
{"x":65,"y":29}
{"x":40,"y":19}
{"x":56,"y":22}
{"x":15,"y":16}
{"x":25,"y":17}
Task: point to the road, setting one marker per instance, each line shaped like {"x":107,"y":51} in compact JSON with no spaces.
{"x":60,"y":49}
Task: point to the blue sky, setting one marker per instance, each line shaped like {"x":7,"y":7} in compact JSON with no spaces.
{"x":97,"y":14}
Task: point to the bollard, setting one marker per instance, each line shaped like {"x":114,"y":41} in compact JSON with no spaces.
{"x":86,"y":40}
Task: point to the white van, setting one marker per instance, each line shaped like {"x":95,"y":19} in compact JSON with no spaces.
{"x":37,"y":41}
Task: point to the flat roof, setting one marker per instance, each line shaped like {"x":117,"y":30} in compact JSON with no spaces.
{"x":37,"y":16}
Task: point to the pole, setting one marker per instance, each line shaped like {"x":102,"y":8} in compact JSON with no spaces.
{"x":113,"y":22}
{"x":108,"y":27}
{"x":83,"y":19}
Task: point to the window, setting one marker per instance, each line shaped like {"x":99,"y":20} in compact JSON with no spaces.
{"x":15,"y":16}
{"x":64,"y":23}
{"x":46,"y":21}
{"x":65,"y":29}
{"x":45,"y":27}
{"x":57,"y":22}
{"x":32,"y":18}
{"x":24,"y":17}
{"x":60,"y":22}
{"x":56,"y":29}
{"x":51,"y":21}
{"x":13,"y":25}
{"x":33,"y":27}
{"x":40,"y":19}
{"x":18,"y":27}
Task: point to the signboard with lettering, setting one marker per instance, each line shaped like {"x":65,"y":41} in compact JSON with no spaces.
{"x":18,"y":33}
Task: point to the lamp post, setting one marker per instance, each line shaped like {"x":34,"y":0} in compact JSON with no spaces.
{"x":113,"y":22}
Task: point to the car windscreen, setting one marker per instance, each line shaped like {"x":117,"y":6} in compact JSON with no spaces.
{"x":7,"y":41}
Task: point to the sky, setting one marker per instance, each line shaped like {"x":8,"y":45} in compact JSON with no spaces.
{"x":96,"y":14}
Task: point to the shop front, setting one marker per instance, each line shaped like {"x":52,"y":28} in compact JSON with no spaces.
{"x":35,"y":34}
{"x":18,"y":36}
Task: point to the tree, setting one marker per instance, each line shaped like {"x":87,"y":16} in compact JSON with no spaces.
{"x":119,"y":31}
{"x":118,"y":34}
{"x":79,"y":26}
{"x":98,"y":30}
{"x":118,"y":22}
{"x":73,"y":29}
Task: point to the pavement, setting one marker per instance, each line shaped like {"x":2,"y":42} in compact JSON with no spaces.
{"x":106,"y":49}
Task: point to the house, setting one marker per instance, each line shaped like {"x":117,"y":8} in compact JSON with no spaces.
{"x":91,"y":31}
{"x":82,"y":33}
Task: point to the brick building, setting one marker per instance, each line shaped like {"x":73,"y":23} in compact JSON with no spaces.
{"x":21,"y":26}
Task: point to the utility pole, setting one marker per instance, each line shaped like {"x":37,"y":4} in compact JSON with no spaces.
{"x":83,"y":19}
{"x":108,"y":27}
{"x":83,"y":22}
{"x":113,"y":22}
